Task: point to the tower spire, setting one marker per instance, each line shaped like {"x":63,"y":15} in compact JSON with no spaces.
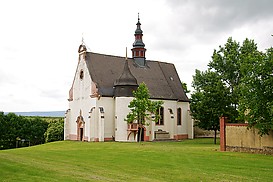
{"x":138,"y":50}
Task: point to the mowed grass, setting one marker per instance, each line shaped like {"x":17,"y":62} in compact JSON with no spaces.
{"x":189,"y":160}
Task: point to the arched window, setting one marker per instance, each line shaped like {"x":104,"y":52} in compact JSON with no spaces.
{"x":179,"y":116}
{"x":161,"y":119}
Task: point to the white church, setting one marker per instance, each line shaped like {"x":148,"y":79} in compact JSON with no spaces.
{"x":102,"y":90}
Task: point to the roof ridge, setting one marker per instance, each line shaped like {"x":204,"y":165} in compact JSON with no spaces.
{"x":128,"y":57}
{"x":107,"y":55}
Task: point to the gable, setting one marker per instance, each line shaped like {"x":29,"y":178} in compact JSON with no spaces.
{"x":82,"y":82}
{"x":161,"y":78}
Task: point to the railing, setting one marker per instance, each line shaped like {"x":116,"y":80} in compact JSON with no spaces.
{"x":132,"y":127}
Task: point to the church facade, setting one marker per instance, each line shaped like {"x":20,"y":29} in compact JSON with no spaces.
{"x":102,"y":90}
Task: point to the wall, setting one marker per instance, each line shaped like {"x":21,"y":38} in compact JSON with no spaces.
{"x":108,"y":105}
{"x":80,"y":103}
{"x":169,"y":119}
{"x":178,"y":132}
{"x":121,"y":111}
{"x":237,"y":137}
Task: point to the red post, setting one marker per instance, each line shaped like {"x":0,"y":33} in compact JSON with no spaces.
{"x":223,"y":133}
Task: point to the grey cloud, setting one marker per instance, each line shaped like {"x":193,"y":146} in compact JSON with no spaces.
{"x":194,"y":22}
{"x":212,"y":16}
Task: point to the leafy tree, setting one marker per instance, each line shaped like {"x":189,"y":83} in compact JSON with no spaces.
{"x":4,"y":127}
{"x":256,"y":101}
{"x":38,"y":129}
{"x":142,"y":108}
{"x":14,"y":128}
{"x":226,"y":62}
{"x":246,"y":77}
{"x":209,"y":101}
{"x":11,"y":129}
{"x":55,"y":131}
{"x":2,"y":124}
{"x":185,"y":88}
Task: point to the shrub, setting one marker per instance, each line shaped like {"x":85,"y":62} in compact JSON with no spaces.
{"x":55,"y":131}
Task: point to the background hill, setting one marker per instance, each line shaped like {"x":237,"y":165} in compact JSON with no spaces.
{"x":41,"y":113}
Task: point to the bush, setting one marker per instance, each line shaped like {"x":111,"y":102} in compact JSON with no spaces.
{"x":55,"y":131}
{"x":14,"y":128}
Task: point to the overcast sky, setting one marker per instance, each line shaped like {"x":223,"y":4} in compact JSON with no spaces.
{"x":39,"y":39}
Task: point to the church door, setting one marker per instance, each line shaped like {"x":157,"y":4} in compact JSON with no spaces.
{"x":80,"y":128}
{"x":140,"y":136}
{"x":81,"y":134}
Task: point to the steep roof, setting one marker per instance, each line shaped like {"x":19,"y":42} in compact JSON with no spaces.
{"x":161,"y":78}
{"x":126,"y":78}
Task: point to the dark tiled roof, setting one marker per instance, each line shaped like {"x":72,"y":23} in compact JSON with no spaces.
{"x":161,"y":78}
{"x":126,"y":78}
{"x":126,"y":83}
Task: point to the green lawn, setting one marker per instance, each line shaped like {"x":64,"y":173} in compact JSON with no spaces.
{"x":190,"y":160}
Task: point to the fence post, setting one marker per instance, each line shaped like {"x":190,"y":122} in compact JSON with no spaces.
{"x":223,"y":133}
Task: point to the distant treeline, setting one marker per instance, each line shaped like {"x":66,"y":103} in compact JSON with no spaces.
{"x":41,"y":113}
{"x":18,"y":131}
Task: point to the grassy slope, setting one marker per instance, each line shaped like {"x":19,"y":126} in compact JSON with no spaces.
{"x":191,"y":160}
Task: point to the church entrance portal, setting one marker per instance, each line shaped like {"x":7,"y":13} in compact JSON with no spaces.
{"x":140,"y":136}
{"x":81,"y":134}
{"x":80,"y":128}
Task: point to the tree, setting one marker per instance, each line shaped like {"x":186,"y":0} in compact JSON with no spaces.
{"x":14,"y":128}
{"x":247,"y":72}
{"x":4,"y":127}
{"x":209,"y":101}
{"x":185,"y":88}
{"x":142,"y":108}
{"x":256,"y":101}
{"x":226,"y":62}
{"x":55,"y":131}
{"x":36,"y":129}
{"x":246,"y":77}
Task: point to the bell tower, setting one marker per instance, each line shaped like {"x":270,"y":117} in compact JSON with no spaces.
{"x":138,"y":50}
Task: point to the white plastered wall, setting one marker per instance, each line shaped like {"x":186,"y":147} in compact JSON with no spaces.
{"x":187,"y":123}
{"x":67,"y":120}
{"x":108,"y":105}
{"x":121,"y":111}
{"x":82,"y":102}
{"x":170,"y":120}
